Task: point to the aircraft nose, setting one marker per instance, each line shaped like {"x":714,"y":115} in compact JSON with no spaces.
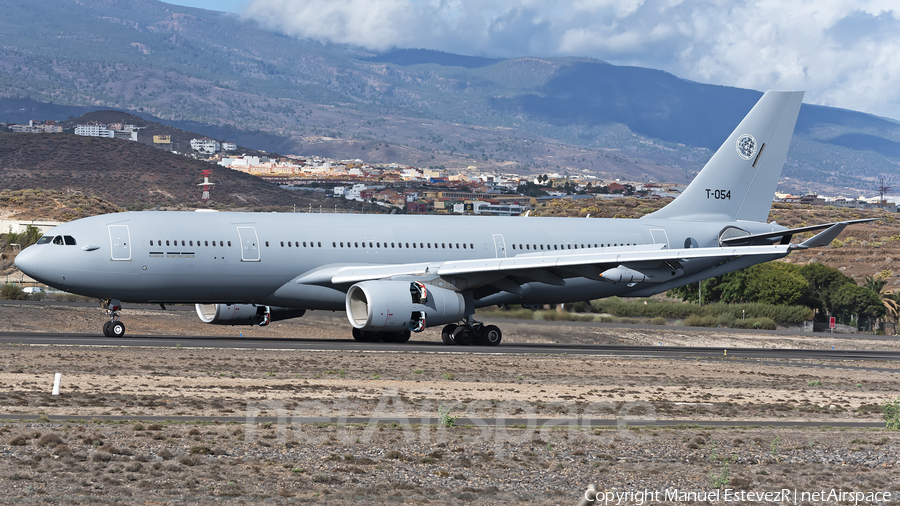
{"x":27,"y":261}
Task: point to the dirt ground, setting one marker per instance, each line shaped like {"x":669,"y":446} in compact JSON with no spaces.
{"x":92,"y":460}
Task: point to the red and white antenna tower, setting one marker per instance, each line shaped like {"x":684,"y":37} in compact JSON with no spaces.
{"x":206,"y":184}
{"x":884,"y":189}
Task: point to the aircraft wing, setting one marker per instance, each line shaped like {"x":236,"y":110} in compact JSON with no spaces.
{"x":644,"y":263}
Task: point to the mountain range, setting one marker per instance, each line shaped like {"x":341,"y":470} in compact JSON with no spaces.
{"x":232,"y":79}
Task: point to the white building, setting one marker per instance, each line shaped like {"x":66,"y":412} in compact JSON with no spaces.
{"x":205,"y":145}
{"x":19,"y":226}
{"x":94,"y":131}
{"x":242,"y":161}
{"x":229,"y":146}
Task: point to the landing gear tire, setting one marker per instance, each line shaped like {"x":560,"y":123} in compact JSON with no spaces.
{"x":106,"y":329}
{"x":401,"y":337}
{"x":116,"y":329}
{"x":489,"y":335}
{"x":357,"y":335}
{"x":464,"y":335}
{"x":447,"y":334}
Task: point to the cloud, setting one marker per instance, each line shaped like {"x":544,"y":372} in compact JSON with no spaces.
{"x":842,"y":52}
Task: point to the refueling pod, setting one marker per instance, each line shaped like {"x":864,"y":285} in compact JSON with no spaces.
{"x":397,"y":306}
{"x":245,"y":314}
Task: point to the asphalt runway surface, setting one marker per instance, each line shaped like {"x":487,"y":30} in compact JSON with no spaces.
{"x":671,"y":352}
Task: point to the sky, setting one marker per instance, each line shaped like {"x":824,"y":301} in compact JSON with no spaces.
{"x":843,"y":53}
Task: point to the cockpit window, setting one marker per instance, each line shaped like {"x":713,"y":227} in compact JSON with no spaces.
{"x":44,"y":240}
{"x":58,"y":240}
{"x":70,"y":241}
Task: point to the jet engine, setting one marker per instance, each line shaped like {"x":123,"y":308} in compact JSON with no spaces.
{"x":396,"y":306}
{"x":245,"y":314}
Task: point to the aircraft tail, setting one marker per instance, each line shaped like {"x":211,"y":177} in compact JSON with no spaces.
{"x":738,"y":182}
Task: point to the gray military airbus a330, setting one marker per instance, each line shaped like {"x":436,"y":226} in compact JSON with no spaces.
{"x":396,"y":274}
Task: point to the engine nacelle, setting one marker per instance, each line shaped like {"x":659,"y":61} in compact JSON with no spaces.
{"x":245,"y":314}
{"x":396,"y":306}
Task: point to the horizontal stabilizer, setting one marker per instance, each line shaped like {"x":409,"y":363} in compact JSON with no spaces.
{"x":786,"y":235}
{"x":825,"y":238}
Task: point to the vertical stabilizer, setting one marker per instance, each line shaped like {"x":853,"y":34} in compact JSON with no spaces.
{"x":738,"y":182}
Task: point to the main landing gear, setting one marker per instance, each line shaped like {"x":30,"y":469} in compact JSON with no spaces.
{"x":470,"y":333}
{"x":114,"y":327}
{"x":374,"y":336}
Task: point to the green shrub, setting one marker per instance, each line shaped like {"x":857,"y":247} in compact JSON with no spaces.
{"x":696,"y":320}
{"x":12,"y":292}
{"x":890,"y":411}
{"x":659,"y":320}
{"x":725,"y":320}
{"x":761,"y":323}
{"x":728,"y":315}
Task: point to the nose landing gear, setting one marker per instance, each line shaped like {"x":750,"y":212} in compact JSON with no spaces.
{"x":114,"y":327}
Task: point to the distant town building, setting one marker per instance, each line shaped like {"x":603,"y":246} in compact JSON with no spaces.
{"x":205,"y":145}
{"x":162,"y":139}
{"x":94,"y":130}
{"x":37,"y":127}
{"x":229,"y":146}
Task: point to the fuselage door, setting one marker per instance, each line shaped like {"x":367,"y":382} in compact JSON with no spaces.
{"x":119,"y":242}
{"x":249,"y":244}
{"x":659,"y":236}
{"x":499,"y":246}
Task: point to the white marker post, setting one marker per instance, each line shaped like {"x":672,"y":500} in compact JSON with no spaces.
{"x":56,"y":382}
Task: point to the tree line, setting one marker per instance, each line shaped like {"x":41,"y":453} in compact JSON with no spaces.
{"x":828,"y":291}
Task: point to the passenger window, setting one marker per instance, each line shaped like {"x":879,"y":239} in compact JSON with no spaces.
{"x":267,"y":244}
{"x":229,"y":243}
{"x":296,"y":244}
{"x":334,"y":245}
{"x":190,"y":243}
{"x":167,"y":243}
{"x":320,"y":244}
{"x":206,"y":243}
{"x":151,"y":242}
{"x":377,"y":244}
{"x":304,"y":244}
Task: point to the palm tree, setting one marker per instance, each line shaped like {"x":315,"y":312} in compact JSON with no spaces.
{"x":889,"y":298}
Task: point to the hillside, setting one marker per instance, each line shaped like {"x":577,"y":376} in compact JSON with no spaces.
{"x":225,"y":77}
{"x":131,"y":175}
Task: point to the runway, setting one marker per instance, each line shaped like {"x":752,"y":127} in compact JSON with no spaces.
{"x":349,"y":345}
